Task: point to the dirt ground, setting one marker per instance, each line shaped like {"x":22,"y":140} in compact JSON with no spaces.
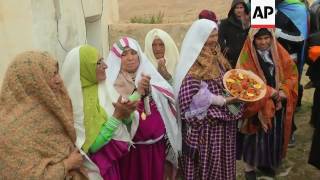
{"x":295,"y":166}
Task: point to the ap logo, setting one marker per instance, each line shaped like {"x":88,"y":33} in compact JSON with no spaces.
{"x":263,"y":13}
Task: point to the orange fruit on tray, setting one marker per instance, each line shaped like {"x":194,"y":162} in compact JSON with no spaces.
{"x":245,"y":84}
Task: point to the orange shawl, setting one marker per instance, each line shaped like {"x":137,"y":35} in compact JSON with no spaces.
{"x":36,"y":131}
{"x":286,"y":76}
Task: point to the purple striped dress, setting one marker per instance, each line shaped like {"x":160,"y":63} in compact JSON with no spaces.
{"x":209,"y":144}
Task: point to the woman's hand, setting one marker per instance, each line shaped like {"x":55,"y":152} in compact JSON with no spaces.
{"x":162,"y":69}
{"x":263,"y":125}
{"x":282,"y":95}
{"x":123,"y":109}
{"x":232,"y":100}
{"x":143,"y":85}
{"x":74,"y":161}
{"x":274,"y":94}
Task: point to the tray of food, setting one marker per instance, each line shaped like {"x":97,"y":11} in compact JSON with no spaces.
{"x":244,"y":84}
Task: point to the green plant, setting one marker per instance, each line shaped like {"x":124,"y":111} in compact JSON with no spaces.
{"x":152,"y":19}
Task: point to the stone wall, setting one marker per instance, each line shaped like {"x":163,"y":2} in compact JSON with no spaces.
{"x":139,"y":31}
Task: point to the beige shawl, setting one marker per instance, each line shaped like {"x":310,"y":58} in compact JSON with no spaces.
{"x":36,"y":132}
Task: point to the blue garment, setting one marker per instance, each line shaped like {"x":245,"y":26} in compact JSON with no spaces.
{"x":298,"y":14}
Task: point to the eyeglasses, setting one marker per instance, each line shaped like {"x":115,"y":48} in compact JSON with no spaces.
{"x":100,"y":62}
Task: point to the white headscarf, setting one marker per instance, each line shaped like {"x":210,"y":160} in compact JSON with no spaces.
{"x":162,"y":92}
{"x":191,"y":47}
{"x":171,"y":53}
{"x":70,"y":73}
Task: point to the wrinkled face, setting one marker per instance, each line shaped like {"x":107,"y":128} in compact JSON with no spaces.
{"x":55,"y":82}
{"x":100,"y":70}
{"x":262,"y":42}
{"x":212,"y":39}
{"x":239,"y":10}
{"x":158,"y":48}
{"x":129,"y":60}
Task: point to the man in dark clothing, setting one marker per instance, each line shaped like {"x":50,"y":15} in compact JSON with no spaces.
{"x":314,"y":75}
{"x":233,"y":30}
{"x":291,"y":32}
{"x":315,"y":17}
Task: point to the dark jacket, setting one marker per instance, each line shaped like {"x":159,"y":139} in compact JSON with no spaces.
{"x":315,"y":17}
{"x":314,"y":67}
{"x":232,"y":35}
{"x":286,"y":25}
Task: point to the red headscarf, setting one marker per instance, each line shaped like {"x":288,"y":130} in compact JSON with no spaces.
{"x":207,"y":14}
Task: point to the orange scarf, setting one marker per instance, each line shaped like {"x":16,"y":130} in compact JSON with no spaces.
{"x":314,"y":53}
{"x":286,"y":76}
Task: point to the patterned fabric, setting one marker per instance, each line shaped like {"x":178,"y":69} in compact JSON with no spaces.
{"x":119,"y":46}
{"x":205,"y":67}
{"x":161,"y":91}
{"x":36,"y":131}
{"x":209,"y":144}
{"x":286,"y":79}
{"x":191,"y":47}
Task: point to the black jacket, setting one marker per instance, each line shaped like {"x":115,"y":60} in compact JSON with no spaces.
{"x":314,"y":67}
{"x":232,"y":35}
{"x":314,"y":17}
{"x":287,"y":26}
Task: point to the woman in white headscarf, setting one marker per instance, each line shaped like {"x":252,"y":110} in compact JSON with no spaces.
{"x":100,"y":124}
{"x":208,"y":122}
{"x":157,"y":137}
{"x":162,"y":51}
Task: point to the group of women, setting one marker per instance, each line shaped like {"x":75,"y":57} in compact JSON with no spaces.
{"x":140,"y":115}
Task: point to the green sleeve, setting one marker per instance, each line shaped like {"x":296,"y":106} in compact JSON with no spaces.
{"x":129,"y":120}
{"x":133,"y":97}
{"x":106,"y":133}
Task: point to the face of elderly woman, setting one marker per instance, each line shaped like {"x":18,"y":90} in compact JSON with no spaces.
{"x":129,"y":60}
{"x":100,"y":70}
{"x":55,"y":82}
{"x":212,"y":39}
{"x":158,"y":48}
